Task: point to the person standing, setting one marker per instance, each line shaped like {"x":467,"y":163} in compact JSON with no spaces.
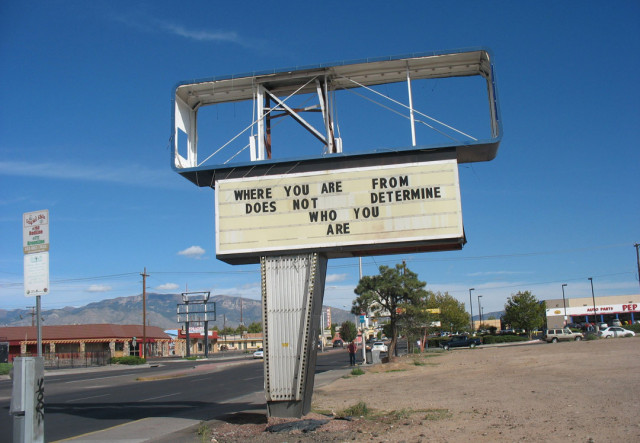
{"x":352,"y":348}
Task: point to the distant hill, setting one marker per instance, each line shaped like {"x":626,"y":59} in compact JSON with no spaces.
{"x":487,"y":315}
{"x":161,"y":311}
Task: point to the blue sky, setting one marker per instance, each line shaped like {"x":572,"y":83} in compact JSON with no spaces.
{"x":85,"y":121}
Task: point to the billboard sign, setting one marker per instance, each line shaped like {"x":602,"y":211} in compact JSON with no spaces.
{"x":35,"y":231}
{"x":388,"y":208}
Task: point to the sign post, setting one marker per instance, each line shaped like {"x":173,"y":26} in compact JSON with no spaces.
{"x":35,"y":245}
{"x":364,"y":341}
{"x":27,"y":402}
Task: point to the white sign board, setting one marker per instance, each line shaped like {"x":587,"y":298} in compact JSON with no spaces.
{"x":36,"y":274}
{"x":35,"y":231}
{"x":329,"y":210}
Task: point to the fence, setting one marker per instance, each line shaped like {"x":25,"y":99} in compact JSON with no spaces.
{"x":62,"y":360}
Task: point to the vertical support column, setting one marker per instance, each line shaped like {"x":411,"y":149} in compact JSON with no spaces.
{"x":292,"y":293}
{"x":27,"y":399}
{"x":206,"y":339}
{"x":413,"y":122}
{"x":261,"y":116}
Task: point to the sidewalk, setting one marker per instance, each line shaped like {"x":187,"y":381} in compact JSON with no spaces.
{"x":175,"y":430}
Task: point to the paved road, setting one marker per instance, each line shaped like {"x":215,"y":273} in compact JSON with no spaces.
{"x":78,"y":403}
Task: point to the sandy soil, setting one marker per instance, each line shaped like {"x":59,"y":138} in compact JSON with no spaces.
{"x":585,"y":391}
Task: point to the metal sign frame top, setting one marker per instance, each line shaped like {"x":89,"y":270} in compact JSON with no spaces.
{"x":271,"y":90}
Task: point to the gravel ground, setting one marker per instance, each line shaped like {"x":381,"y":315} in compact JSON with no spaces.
{"x":585,"y":391}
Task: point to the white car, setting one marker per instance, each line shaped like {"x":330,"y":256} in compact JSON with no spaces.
{"x":259,"y":353}
{"x":379,"y":346}
{"x":615,"y":331}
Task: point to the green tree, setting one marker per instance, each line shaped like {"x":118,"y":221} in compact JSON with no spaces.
{"x":453,"y":314}
{"x":524,"y":311}
{"x":415,"y":322}
{"x":348,"y":331}
{"x":254,"y":327}
{"x":333,"y":329}
{"x":394,"y":292}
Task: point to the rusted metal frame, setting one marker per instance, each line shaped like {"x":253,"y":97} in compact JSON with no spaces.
{"x":297,"y":118}
{"x":267,"y":135}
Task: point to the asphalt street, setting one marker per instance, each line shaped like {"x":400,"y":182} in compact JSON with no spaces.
{"x":84,"y":401}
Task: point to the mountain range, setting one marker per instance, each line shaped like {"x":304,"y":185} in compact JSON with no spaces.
{"x":161,"y":311}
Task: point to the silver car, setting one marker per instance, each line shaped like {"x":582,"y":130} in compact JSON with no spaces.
{"x":615,"y":331}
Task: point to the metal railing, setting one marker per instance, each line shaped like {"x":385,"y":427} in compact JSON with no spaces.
{"x":62,"y":360}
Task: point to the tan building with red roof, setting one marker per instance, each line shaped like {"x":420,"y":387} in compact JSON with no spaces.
{"x":118,"y":340}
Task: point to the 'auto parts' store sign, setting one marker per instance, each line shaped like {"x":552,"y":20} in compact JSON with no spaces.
{"x":604,"y":309}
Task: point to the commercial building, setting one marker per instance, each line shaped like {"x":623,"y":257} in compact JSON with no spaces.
{"x":625,"y":308}
{"x":117,"y":340}
{"x":216,"y":342}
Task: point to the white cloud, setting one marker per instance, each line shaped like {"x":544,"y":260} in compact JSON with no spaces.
{"x":128,"y":175}
{"x":193,"y":252}
{"x":332,"y":278}
{"x":167,"y":287}
{"x":200,"y":35}
{"x":99,"y":288}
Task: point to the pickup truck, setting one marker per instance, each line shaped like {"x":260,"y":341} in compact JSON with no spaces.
{"x":460,"y":341}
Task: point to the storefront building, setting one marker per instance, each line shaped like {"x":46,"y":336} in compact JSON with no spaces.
{"x":623,"y":308}
{"x":116,"y":340}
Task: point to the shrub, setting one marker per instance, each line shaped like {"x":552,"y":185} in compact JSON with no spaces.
{"x":357,"y":371}
{"x":128,"y":360}
{"x":5,"y":368}
{"x":635,"y":327}
{"x":358,"y":410}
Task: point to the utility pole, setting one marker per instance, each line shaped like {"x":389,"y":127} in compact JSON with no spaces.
{"x":595,"y":316}
{"x":636,"y":245}
{"x":33,"y":316}
{"x":471,"y":306}
{"x":144,"y":313}
{"x":564,"y":303}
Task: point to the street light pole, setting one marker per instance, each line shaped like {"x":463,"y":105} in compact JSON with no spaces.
{"x":595,"y":316}
{"x":636,"y":245}
{"x":480,"y":310}
{"x":564,"y":304}
{"x":471,"y":306}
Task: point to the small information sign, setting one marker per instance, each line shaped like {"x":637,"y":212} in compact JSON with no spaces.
{"x":36,"y":274}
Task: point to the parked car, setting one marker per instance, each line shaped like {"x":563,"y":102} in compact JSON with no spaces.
{"x":460,"y":341}
{"x":259,"y":353}
{"x":379,"y":346}
{"x":615,"y":331}
{"x":616,"y":322}
{"x":563,"y":334}
{"x":338,"y":344}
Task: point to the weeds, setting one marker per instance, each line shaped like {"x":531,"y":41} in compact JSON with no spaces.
{"x":204,"y":432}
{"x":358,"y":410}
{"x":437,"y":414}
{"x":357,"y":371}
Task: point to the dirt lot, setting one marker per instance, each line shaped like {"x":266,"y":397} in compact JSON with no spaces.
{"x":585,"y":391}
